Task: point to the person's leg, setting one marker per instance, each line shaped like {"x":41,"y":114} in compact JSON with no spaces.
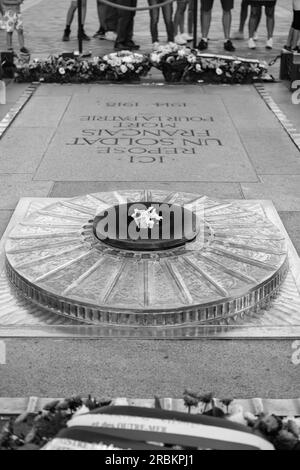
{"x":179,"y":17}
{"x":270,"y":20}
{"x":101,"y":12}
{"x":167,"y":14}
{"x":227,"y":19}
{"x":205,"y":17}
{"x":9,"y":41}
{"x":191,"y":17}
{"x":243,"y":15}
{"x":254,"y":16}
{"x":125,"y":24}
{"x":111,"y":18}
{"x":69,"y":20}
{"x":154,"y":18}
{"x":21,"y":38}
{"x":71,"y":12}
{"x":227,"y":6}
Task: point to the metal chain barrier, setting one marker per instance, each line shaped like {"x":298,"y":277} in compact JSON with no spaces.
{"x":124,"y":7}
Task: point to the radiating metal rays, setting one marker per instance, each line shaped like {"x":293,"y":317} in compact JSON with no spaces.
{"x":238,"y":269}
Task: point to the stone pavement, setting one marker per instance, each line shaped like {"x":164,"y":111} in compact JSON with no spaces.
{"x":59,"y":147}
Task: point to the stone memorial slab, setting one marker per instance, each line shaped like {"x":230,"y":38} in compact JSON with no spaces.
{"x":122,"y":133}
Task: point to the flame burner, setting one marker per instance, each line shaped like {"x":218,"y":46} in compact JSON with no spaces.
{"x":203,"y":261}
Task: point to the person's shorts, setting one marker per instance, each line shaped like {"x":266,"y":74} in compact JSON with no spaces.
{"x":207,"y":5}
{"x":296,"y":21}
{"x":12,"y":20}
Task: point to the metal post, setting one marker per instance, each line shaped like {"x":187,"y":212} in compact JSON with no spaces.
{"x":80,"y":26}
{"x":195,"y":23}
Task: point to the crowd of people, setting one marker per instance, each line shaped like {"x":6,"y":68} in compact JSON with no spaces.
{"x":117,"y":24}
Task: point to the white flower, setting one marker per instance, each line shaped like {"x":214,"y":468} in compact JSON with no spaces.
{"x":219,"y":71}
{"x":82,"y":410}
{"x":191,"y":59}
{"x":102,"y":67}
{"x":181,"y":52}
{"x":127,"y":59}
{"x":123,"y":68}
{"x":61,"y":70}
{"x":155,"y":57}
{"x":198,"y":67}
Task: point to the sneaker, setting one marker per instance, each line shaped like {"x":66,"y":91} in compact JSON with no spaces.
{"x":187,"y":37}
{"x":228,"y":46}
{"x":255,"y":36}
{"x":110,"y":36}
{"x":239,"y":35}
{"x":66,"y":35}
{"x":24,"y":50}
{"x":100,"y":34}
{"x":180,"y":40}
{"x":155,"y":45}
{"x":82,"y":35}
{"x":203,"y":45}
{"x":251,"y":44}
{"x":269,"y":43}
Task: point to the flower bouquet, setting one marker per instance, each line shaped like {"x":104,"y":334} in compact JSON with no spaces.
{"x":172,"y":60}
{"x":61,"y":69}
{"x":225,"y":69}
{"x":125,"y":66}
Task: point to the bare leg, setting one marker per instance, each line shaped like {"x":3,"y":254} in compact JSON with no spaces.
{"x":9,"y":38}
{"x":254,"y":20}
{"x":243,"y":15}
{"x":179,"y":17}
{"x":227,"y":18}
{"x":71,"y":12}
{"x":270,"y":15}
{"x":191,"y":17}
{"x":205,"y":23}
{"x":21,"y":38}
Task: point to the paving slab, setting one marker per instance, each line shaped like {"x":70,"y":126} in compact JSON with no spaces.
{"x":145,"y":368}
{"x":283,"y":190}
{"x":135,"y":134}
{"x":291,"y":221}
{"x":42,"y":112}
{"x":217,"y":190}
{"x":22,"y":148}
{"x":5,"y":216}
{"x":12,"y":187}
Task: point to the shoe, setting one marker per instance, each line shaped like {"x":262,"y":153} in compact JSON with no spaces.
{"x":24,"y":50}
{"x":255,"y":36}
{"x":83,"y":36}
{"x":132,"y":46}
{"x":251,"y":44}
{"x":269,"y":43}
{"x":180,"y":40}
{"x":203,"y":45}
{"x":228,"y":46}
{"x":155,"y":45}
{"x":187,"y":37}
{"x":100,"y":34}
{"x":119,"y":46}
{"x":110,"y":36}
{"x":239,"y":35}
{"x":66,"y":35}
